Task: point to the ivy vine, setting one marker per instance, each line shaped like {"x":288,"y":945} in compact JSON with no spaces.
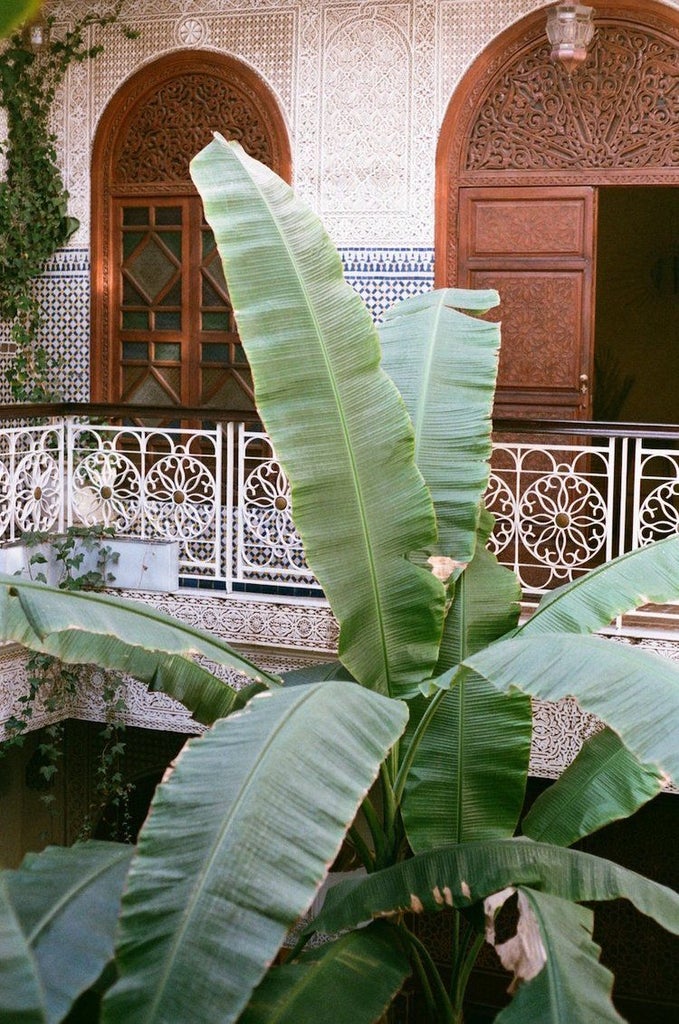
{"x":34,"y":219}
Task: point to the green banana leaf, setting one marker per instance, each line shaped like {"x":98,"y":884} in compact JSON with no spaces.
{"x":468,"y":775}
{"x":21,"y":999}
{"x":572,"y":986}
{"x":127,"y":636}
{"x":336,"y":420}
{"x":633,"y":691}
{"x":52,"y":957}
{"x":316,"y":674}
{"x":236,"y":844}
{"x":444,"y":363}
{"x":645,"y":576}
{"x":605,"y":782}
{"x":460,"y":876}
{"x":349,"y":981}
{"x":14,"y":12}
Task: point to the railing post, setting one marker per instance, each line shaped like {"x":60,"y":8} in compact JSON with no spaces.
{"x":67,"y":469}
{"x":228,"y":540}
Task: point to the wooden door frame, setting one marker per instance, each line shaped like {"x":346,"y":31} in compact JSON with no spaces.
{"x":128,"y":99}
{"x":477,"y":84}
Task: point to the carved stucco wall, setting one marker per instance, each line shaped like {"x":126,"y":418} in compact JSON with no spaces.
{"x":363,"y":87}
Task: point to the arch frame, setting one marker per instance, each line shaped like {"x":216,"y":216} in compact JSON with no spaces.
{"x":501,"y":54}
{"x":128,"y":99}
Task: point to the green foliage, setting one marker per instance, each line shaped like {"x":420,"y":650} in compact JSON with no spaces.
{"x":325,"y":770}
{"x":34,"y":219}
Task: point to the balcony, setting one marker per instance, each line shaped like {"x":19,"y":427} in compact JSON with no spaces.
{"x":566,"y":496}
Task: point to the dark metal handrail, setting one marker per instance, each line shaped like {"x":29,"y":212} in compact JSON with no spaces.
{"x":106,"y":410}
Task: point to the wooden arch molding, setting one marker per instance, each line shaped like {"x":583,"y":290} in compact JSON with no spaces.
{"x":517,"y":119}
{"x":152,"y":127}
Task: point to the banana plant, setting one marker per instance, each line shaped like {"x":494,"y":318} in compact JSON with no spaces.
{"x":408,"y":755}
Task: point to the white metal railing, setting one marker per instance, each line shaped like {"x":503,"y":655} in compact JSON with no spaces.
{"x":566,"y":497}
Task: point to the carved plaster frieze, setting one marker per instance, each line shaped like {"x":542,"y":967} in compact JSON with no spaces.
{"x":280,"y":637}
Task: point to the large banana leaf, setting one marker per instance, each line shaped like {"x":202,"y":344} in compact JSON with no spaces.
{"x":633,"y":691}
{"x":128,"y":636}
{"x":468,"y":776}
{"x":645,"y":576}
{"x":336,"y":420}
{"x":349,"y":981}
{"x":572,"y":986}
{"x":605,"y":782}
{"x":62,"y":905}
{"x":460,"y":876}
{"x":236,"y":844}
{"x":444,"y":363}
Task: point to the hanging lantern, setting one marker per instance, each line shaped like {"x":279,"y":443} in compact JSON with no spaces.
{"x":570,"y":28}
{"x":36,"y":33}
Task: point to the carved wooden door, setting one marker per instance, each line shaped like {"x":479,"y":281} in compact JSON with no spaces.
{"x":536,"y":246}
{"x":177,"y":339}
{"x":163,"y":331}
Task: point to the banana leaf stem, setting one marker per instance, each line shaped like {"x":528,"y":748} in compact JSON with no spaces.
{"x":377,"y":832}
{"x":420,"y":730}
{"x":362,"y":849}
{"x":438,"y":1002}
{"x":463,"y":969}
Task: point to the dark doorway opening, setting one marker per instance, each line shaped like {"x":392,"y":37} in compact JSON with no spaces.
{"x":637,"y":305}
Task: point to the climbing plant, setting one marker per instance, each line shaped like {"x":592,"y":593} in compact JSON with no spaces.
{"x":81,"y":560}
{"x":34,"y":219}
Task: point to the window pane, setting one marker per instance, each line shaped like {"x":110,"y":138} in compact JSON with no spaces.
{"x":215,"y":321}
{"x":135,"y":350}
{"x":168,"y":351}
{"x":215,"y":353}
{"x":168,"y":215}
{"x":136,"y":215}
{"x":168,"y":321}
{"x":135,"y":320}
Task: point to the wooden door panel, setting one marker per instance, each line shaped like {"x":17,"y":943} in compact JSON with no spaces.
{"x":536,"y":246}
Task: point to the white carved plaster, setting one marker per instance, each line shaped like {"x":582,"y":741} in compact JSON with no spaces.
{"x":363,"y":86}
{"x":280,"y":637}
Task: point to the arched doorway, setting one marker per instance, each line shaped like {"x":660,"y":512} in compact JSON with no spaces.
{"x":531,"y":165}
{"x":163,"y":331}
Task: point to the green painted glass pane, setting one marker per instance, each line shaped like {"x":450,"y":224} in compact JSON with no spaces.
{"x":214,"y":269}
{"x":168,"y":215}
{"x":215,"y":353}
{"x":173,"y":240}
{"x":135,"y":320}
{"x":135,"y":350}
{"x":132,"y":297}
{"x":167,"y":321}
{"x":215,"y":321}
{"x":174,"y":296}
{"x":239,"y":355}
{"x":209,"y":244}
{"x":136,"y":215}
{"x":167,"y":351}
{"x":210,"y":297}
{"x":152,"y":269}
{"x":131,"y":240}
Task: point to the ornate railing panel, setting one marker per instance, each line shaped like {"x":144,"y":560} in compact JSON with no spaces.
{"x":32,"y":479}
{"x":554,"y":510}
{"x":566,"y":496}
